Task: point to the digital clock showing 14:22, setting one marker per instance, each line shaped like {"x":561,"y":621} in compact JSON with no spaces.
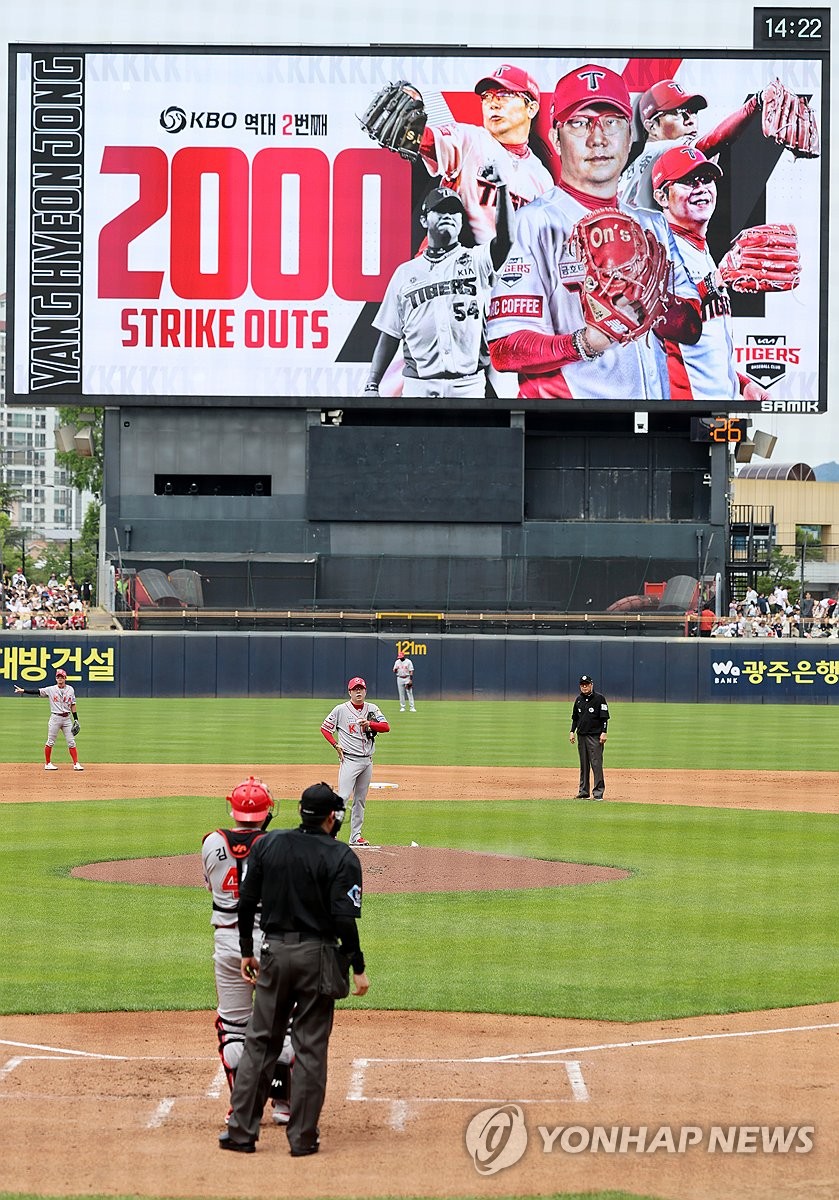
{"x":807,"y":28}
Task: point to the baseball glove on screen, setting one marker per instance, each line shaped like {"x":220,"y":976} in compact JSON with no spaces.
{"x":409,"y":686}
{"x":74,"y":728}
{"x":763,"y":258}
{"x":396,"y":119}
{"x":625,"y":289}
{"x":789,"y":120}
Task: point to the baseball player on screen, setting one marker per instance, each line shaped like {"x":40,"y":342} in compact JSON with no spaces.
{"x":435,"y":305}
{"x":63,"y":717}
{"x":668,"y":117}
{"x":536,"y":321}
{"x":685,"y":187}
{"x":351,"y":728}
{"x":224,"y":856}
{"x":473,"y":159}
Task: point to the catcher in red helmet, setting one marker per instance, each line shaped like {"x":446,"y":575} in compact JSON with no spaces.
{"x":224,"y":853}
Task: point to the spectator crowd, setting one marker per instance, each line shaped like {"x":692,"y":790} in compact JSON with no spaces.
{"x":50,"y":605}
{"x":773,"y":616}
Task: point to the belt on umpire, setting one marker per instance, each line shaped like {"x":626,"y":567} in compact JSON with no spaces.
{"x":294,"y":938}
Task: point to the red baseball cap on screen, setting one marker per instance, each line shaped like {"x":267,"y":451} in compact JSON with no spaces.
{"x":61,"y":672}
{"x":589,"y":85}
{"x":512,"y":79}
{"x":667,"y":95}
{"x":680,"y":162}
{"x":357,"y":681}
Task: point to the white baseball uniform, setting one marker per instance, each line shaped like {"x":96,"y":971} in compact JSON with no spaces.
{"x":635,"y":186}
{"x":403,"y":669}
{"x":436,"y":304}
{"x":224,"y":854}
{"x":356,"y":769}
{"x":538,"y":289}
{"x":466,"y":154}
{"x":704,"y":371}
{"x":61,"y":701}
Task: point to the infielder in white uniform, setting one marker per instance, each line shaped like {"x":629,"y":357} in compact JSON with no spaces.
{"x":63,"y":716}
{"x":535,"y":321}
{"x":473,"y":160}
{"x":224,"y":856}
{"x":667,"y":113}
{"x":403,"y":669}
{"x":351,"y":728}
{"x":685,"y":186}
{"x":436,"y":304}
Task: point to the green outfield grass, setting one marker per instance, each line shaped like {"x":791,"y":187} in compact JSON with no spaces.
{"x":468,"y":733}
{"x":726,"y":910}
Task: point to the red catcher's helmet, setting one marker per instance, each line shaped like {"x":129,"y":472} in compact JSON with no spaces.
{"x":251,"y":802}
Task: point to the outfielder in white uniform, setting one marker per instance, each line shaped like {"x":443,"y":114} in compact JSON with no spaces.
{"x":472,"y":160}
{"x":685,"y":184}
{"x":351,"y":728}
{"x":224,"y":855}
{"x":403,"y":669}
{"x":667,"y":113}
{"x":63,"y":716}
{"x":535,"y":321}
{"x":436,"y":305}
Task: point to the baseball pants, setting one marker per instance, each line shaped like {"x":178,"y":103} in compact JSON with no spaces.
{"x":235,"y":999}
{"x":590,"y":751}
{"x":62,"y":724}
{"x":461,"y":385}
{"x":289,"y":974}
{"x":406,"y":694}
{"x":354,"y":778}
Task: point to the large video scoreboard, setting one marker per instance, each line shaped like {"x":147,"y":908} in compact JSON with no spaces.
{"x":194,"y":225}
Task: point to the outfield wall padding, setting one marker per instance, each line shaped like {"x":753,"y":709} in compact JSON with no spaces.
{"x":448,"y":666}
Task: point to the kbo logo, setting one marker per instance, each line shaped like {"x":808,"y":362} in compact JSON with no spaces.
{"x":175,"y":120}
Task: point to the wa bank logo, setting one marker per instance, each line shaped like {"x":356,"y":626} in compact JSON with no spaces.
{"x":726,"y":673}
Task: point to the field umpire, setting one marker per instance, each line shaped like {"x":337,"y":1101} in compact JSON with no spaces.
{"x":309,"y":886}
{"x":589,"y":718}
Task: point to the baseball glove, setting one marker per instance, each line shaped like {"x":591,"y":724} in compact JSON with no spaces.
{"x":396,"y":119}
{"x":763,"y":258}
{"x":789,"y":120}
{"x":627,"y":273}
{"x":370,"y":732}
{"x":74,"y":728}
{"x":409,"y":685}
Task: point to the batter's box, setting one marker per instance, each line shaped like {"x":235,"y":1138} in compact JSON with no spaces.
{"x":467,"y":1081}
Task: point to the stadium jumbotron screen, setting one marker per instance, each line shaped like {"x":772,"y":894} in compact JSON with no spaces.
{"x":217,"y":226}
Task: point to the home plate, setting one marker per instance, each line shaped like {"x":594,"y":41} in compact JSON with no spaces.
{"x":384,"y":785}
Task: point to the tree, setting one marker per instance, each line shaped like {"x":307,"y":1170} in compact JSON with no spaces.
{"x":783,"y":570}
{"x":86,"y":474}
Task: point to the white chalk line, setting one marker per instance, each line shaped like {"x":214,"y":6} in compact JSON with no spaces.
{"x":61,"y":1050}
{"x":355,"y":1092}
{"x":548,"y":1056}
{"x":672,"y":1041}
{"x":161,"y":1112}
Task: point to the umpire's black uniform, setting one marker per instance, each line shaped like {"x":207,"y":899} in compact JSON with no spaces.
{"x":309,"y":885}
{"x":589,"y":718}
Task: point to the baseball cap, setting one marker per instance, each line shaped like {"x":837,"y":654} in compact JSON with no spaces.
{"x":438,"y":197}
{"x":680,"y":162}
{"x":356,"y":681}
{"x":586,"y":679}
{"x":589,"y":85}
{"x":512,"y":79}
{"x":666,"y":95}
{"x":319,"y":800}
{"x":61,"y":671}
